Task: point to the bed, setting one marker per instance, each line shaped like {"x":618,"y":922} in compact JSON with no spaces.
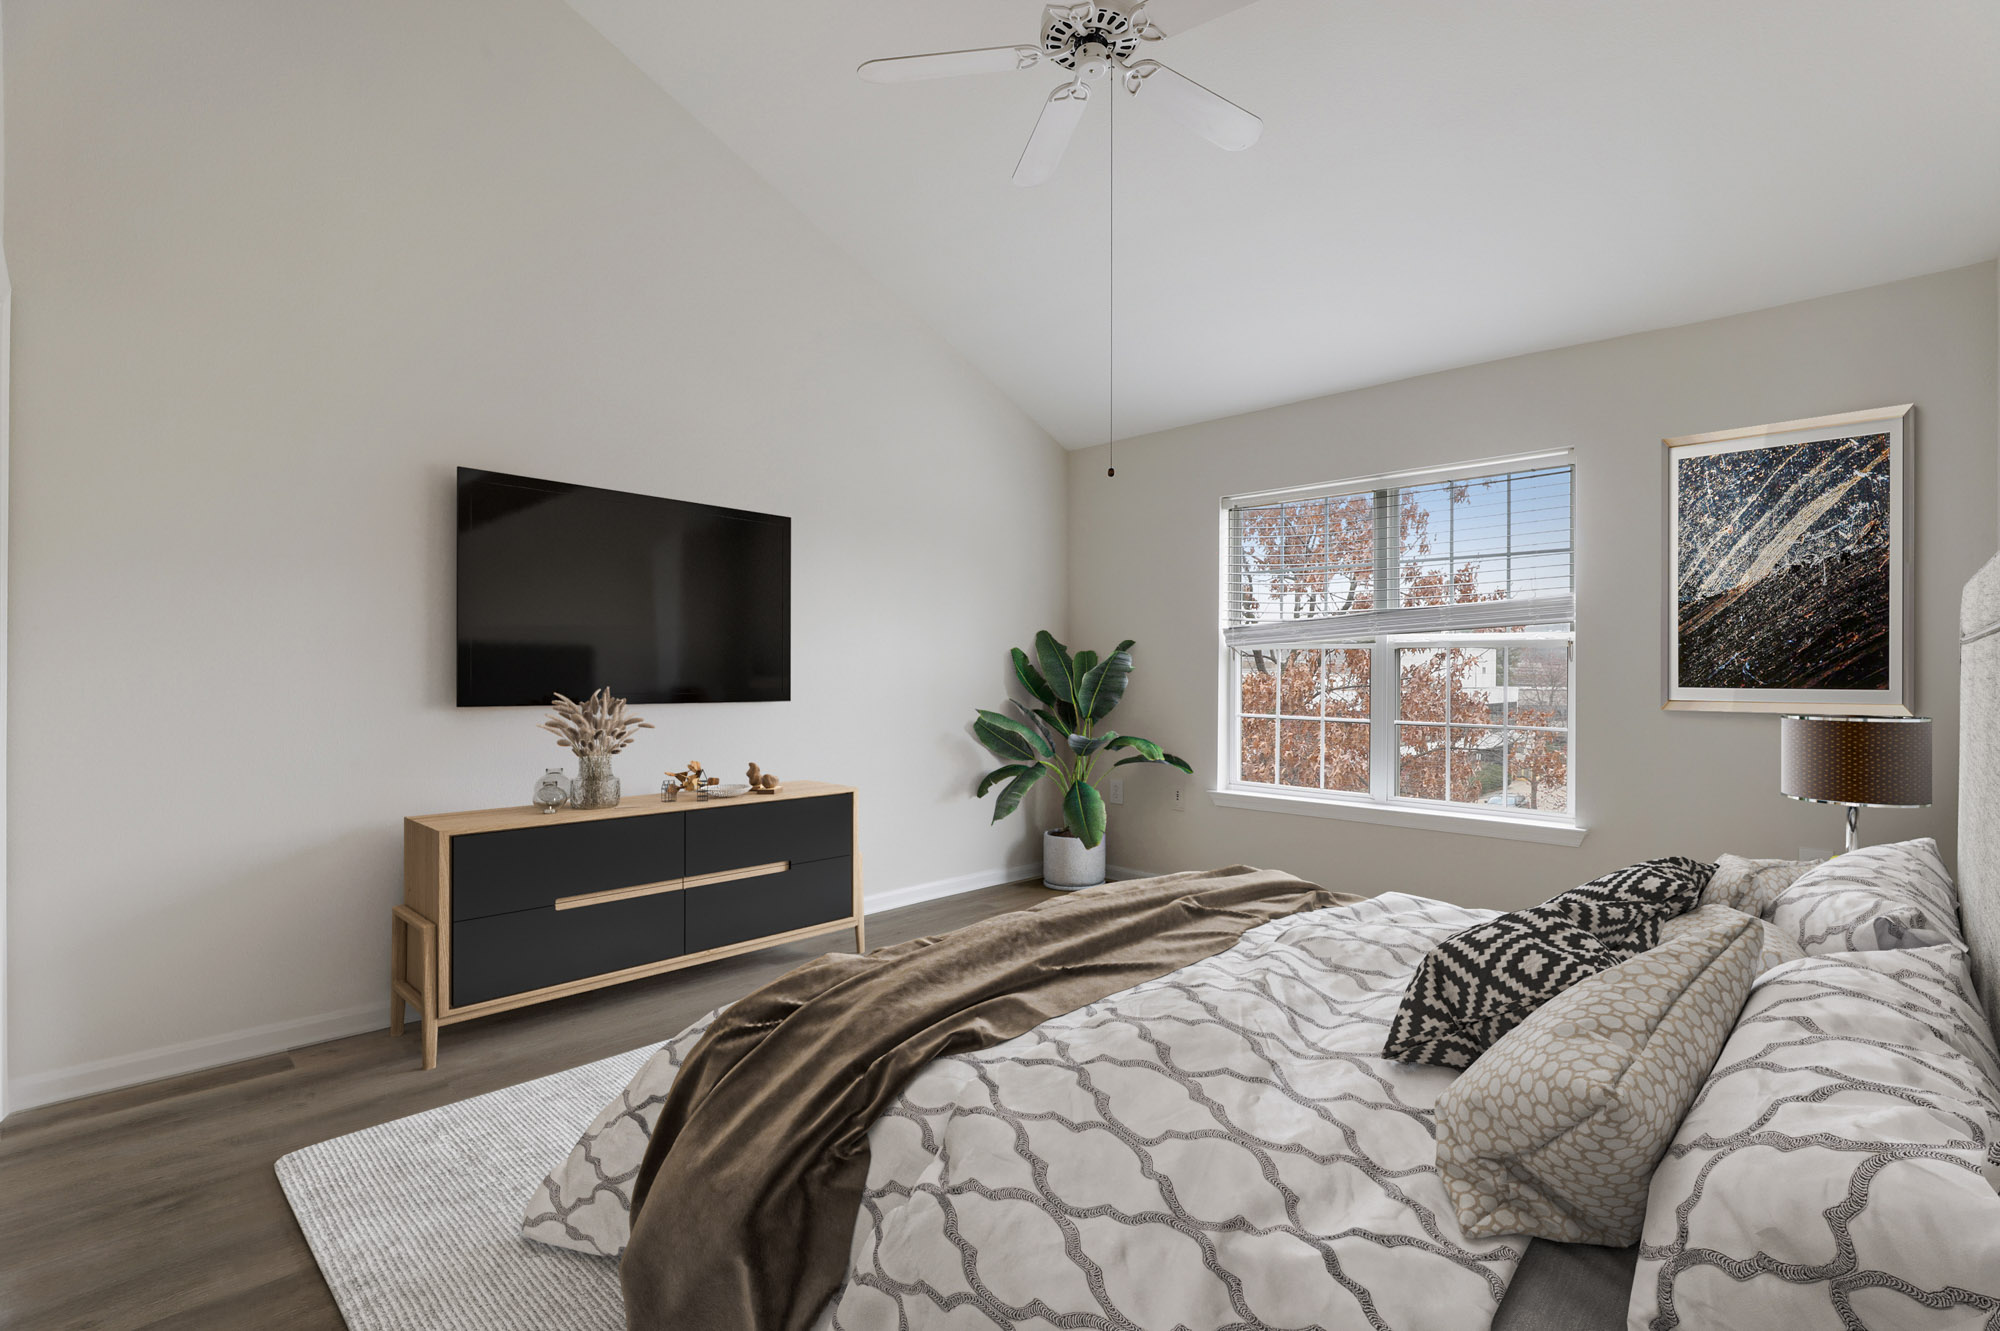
{"x":1222,"y":1144}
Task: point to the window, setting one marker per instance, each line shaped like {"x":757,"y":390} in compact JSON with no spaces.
{"x":1405,"y":641}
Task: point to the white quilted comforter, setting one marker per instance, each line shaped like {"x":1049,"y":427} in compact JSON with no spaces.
{"x":1221,"y":1147}
{"x":1224,"y":1147}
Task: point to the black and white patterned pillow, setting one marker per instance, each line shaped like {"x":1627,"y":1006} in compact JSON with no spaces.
{"x":1482,"y":982}
{"x":1626,"y":907}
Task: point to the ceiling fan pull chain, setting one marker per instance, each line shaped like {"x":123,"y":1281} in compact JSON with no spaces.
{"x":1111,"y":287}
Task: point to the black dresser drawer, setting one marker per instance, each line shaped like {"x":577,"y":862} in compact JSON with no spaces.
{"x":533,"y":949}
{"x":746,"y":834}
{"x":494,"y":873}
{"x":723,"y":913}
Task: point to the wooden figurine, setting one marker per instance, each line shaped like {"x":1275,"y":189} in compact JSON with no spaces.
{"x":762,"y":783}
{"x":692,"y":780}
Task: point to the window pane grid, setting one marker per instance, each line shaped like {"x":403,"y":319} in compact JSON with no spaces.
{"x":1462,"y":542}
{"x":1292,"y":733}
{"x":1480,"y":707}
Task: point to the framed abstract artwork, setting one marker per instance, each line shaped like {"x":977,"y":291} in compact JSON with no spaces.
{"x":1788,"y":567}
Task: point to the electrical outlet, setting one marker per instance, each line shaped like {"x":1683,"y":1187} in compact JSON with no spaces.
{"x":1180,"y":799}
{"x":1114,"y":791}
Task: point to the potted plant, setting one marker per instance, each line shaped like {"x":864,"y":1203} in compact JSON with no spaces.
{"x":1059,"y":739}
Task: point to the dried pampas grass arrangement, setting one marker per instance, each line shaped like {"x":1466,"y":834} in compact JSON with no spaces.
{"x":597,"y":727}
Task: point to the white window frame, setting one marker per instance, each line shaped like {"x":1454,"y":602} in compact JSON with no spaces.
{"x":1382,"y":804}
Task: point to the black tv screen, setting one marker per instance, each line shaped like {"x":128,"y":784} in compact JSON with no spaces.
{"x":567,"y":589}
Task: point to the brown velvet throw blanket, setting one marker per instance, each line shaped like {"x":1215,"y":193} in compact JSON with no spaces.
{"x":745,"y":1207}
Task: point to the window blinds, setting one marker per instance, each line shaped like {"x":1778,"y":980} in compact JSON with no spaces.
{"x":1456,"y":554}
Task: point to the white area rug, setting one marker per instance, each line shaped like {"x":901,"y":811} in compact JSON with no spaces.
{"x":416,"y":1224}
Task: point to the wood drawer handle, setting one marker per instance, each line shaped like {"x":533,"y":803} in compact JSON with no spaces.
{"x":670,"y":885}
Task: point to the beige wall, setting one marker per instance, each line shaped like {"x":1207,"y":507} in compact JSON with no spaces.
{"x":6,"y":362}
{"x":1143,"y":555}
{"x":281,"y":267}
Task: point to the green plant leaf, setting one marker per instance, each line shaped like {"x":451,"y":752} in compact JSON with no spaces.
{"x":1045,"y":723}
{"x":999,"y":774}
{"x":1100,"y":690}
{"x":1007,"y":738}
{"x":1031,"y":678}
{"x":1003,"y":743}
{"x":1059,"y":670}
{"x":1017,"y":789}
{"x":1085,"y":745}
{"x":1056,"y":725}
{"x":1084,"y":663}
{"x":1083,"y":813}
{"x":1146,"y":749}
{"x":1148,"y":752}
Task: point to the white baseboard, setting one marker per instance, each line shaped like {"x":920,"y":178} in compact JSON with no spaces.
{"x":1118,"y":873}
{"x":110,"y":1074}
{"x":174,"y":1060}
{"x":948,"y":887}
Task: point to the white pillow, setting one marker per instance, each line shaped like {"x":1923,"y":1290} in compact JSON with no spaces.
{"x":1839,"y":1167}
{"x":1872,"y":899}
{"x":585,"y":1204}
{"x":1751,"y":886}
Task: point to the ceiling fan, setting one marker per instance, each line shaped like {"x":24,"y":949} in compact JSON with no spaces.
{"x":1093,"y":41}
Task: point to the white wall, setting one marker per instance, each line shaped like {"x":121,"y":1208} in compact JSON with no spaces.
{"x":6,"y":373}
{"x":281,"y":267}
{"x":1143,"y":552}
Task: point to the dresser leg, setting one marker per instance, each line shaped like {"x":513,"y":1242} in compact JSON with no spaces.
{"x":399,"y":959}
{"x":424,"y":997}
{"x":861,"y":937}
{"x":430,"y":1004}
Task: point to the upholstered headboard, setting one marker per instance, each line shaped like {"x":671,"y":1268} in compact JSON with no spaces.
{"x":1979,"y":778}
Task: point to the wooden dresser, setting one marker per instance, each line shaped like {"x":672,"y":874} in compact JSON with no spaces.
{"x":506,"y":907}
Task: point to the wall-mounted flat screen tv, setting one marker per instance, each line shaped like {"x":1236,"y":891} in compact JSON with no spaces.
{"x":567,"y":589}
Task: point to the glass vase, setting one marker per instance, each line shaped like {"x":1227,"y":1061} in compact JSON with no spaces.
{"x":552,"y":791}
{"x":596,"y":787}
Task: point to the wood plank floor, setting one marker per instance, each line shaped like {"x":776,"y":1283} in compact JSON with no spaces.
{"x":156,"y":1206}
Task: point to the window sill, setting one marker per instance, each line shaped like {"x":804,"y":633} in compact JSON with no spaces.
{"x":1463,"y":823}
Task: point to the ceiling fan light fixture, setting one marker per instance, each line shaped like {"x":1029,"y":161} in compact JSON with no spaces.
{"x":1093,"y":41}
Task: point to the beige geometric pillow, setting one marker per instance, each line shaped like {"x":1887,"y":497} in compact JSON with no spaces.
{"x":1752,"y":885}
{"x":1554,"y":1132}
{"x":1779,"y":946}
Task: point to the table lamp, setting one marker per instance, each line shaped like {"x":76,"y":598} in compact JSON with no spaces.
{"x":1883,"y":762}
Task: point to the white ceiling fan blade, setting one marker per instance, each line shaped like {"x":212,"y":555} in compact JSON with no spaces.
{"x":1060,"y":115}
{"x":1211,"y":115}
{"x":1174,"y":17}
{"x":950,"y":64}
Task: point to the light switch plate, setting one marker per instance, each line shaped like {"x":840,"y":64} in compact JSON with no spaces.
{"x":1114,"y":791}
{"x":1180,"y":799}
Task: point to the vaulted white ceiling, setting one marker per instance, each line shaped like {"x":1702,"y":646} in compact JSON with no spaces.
{"x":1440,"y":182}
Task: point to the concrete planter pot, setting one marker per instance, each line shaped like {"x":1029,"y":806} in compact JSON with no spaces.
{"x":1066,"y":864}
